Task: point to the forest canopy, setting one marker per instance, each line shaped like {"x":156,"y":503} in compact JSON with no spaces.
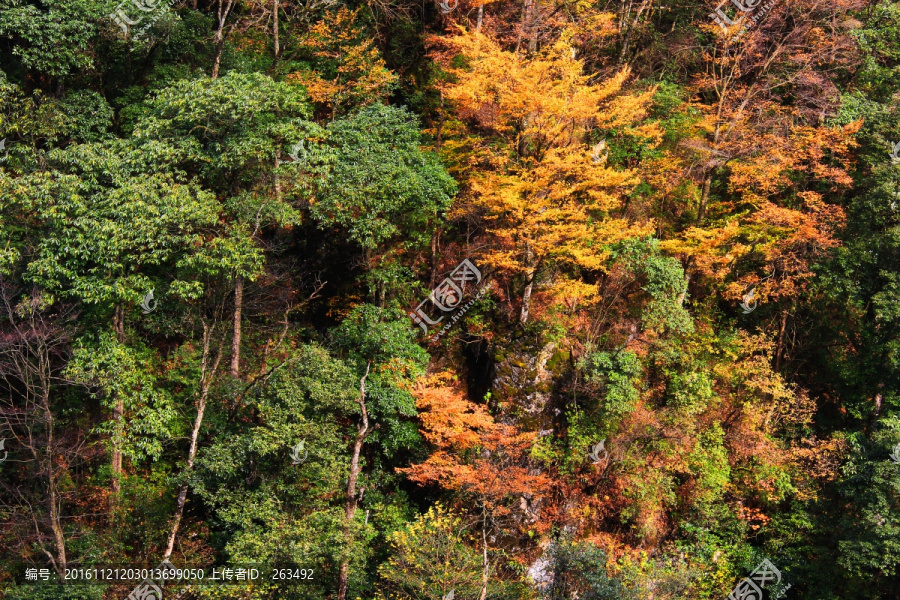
{"x":450,"y":300}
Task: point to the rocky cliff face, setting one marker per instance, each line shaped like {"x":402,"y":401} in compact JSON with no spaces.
{"x":523,"y":378}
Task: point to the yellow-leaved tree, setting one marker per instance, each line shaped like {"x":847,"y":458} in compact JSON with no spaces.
{"x":350,"y":71}
{"x":535,"y":166}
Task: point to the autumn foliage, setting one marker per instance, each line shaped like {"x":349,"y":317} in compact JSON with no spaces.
{"x":682,"y":357}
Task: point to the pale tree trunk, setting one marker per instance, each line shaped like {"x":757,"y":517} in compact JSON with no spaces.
{"x":236,"y":338}
{"x":530,"y":271}
{"x":527,"y":7}
{"x":704,"y":197}
{"x":275,"y":28}
{"x":362,"y":433}
{"x":484,"y":549}
{"x":206,"y":378}
{"x":480,"y":18}
{"x":628,"y":28}
{"x":535,"y":27}
{"x":219,"y":38}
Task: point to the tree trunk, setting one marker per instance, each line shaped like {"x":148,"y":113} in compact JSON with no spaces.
{"x":220,"y":46}
{"x":440,"y":127}
{"x":779,"y":349}
{"x":687,"y":284}
{"x":31,"y":354}
{"x":704,"y":197}
{"x":480,"y":18}
{"x":362,"y":433}
{"x":206,"y":378}
{"x":484,"y":569}
{"x":535,"y":27}
{"x":435,"y":241}
{"x":219,"y":38}
{"x":701,"y":212}
{"x":277,"y":177}
{"x":275,"y":28}
{"x":526,"y":19}
{"x":374,"y":287}
{"x":236,"y":338}
{"x":628,"y":28}
{"x":530,"y":271}
{"x":118,"y":412}
{"x":53,"y":499}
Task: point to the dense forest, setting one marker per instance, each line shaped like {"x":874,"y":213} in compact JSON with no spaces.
{"x":460,"y":299}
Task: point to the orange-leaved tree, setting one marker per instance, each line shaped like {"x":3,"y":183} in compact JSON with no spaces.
{"x":480,"y":459}
{"x":764,"y":157}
